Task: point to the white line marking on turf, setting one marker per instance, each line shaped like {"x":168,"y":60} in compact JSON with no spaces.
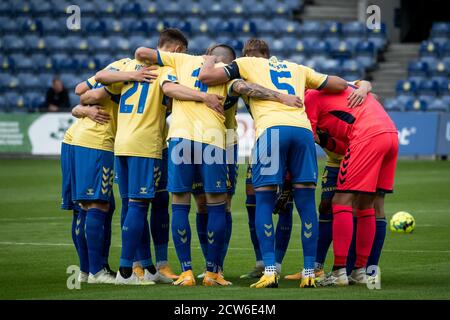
{"x":43,"y":244}
{"x":33,"y":218}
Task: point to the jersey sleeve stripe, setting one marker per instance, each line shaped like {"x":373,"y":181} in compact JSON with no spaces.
{"x":160,"y":62}
{"x":324,"y":83}
{"x":89,"y":84}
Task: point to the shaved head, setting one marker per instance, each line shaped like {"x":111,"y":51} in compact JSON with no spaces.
{"x":223,"y":52}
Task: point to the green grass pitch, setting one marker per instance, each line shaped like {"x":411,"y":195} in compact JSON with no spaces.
{"x":36,"y":249}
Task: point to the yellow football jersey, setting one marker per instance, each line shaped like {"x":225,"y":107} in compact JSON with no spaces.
{"x":333,"y":159}
{"x":282,"y":76}
{"x":230,"y":122}
{"x":142,"y":114}
{"x":68,"y":135}
{"x":93,"y":135}
{"x":191,"y":119}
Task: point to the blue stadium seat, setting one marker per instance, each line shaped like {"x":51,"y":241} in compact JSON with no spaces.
{"x":138,"y":41}
{"x":416,"y":105}
{"x":429,"y":48}
{"x":406,"y":87}
{"x":183,"y":25}
{"x":113,"y":25}
{"x":50,"y":25}
{"x":96,"y":26}
{"x":440,"y":69}
{"x":194,"y":9}
{"x":29,"y":79}
{"x":312,"y":28}
{"x":199,"y":44}
{"x":352,"y":70}
{"x":330,"y":66}
{"x":55,"y":43}
{"x":15,"y":101}
{"x":45,"y":81}
{"x":99,"y":44}
{"x":264,"y":26}
{"x":332,"y":28}
{"x":440,"y":29}
{"x":353,"y":28}
{"x":297,"y":58}
{"x":21,"y":7}
{"x":44,"y":8}
{"x":12,"y":43}
{"x":446,"y":101}
{"x":438,"y":105}
{"x":70,"y":80}
{"x":318,"y":48}
{"x":292,"y":28}
{"x":4,"y":81}
{"x":130,"y":8}
{"x":36,"y":101}
{"x":244,"y":27}
{"x":9,"y":26}
{"x":428,"y":88}
{"x":89,"y":8}
{"x":223,"y":27}
{"x":445,"y":50}
{"x":108,"y":9}
{"x":5,"y":9}
{"x":391,"y":104}
{"x":444,"y":88}
{"x":341,"y":49}
{"x":417,"y":68}
{"x":378,"y":37}
{"x":7,"y":63}
{"x":22,"y":62}
{"x":32,"y":26}
{"x":102,"y":60}
{"x":87,"y":63}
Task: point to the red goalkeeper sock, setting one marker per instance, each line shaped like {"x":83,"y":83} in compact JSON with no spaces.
{"x":342,"y":234}
{"x":365,"y":235}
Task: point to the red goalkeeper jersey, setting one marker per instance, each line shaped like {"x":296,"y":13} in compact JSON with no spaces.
{"x":329,"y":112}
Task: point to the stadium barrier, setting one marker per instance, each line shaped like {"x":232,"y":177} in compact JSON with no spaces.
{"x":420,"y":134}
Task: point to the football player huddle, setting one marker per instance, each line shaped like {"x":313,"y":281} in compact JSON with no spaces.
{"x":122,"y":135}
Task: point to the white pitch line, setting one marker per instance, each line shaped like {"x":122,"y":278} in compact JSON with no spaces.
{"x":43,"y":244}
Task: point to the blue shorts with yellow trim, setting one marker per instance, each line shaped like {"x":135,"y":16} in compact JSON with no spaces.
{"x":137,"y":176}
{"x":66,"y":170}
{"x":232,"y":173}
{"x":329,"y":182}
{"x":116,"y":170}
{"x":282,"y":148}
{"x":161,"y":180}
{"x":187,"y":163}
{"x":94,"y":174}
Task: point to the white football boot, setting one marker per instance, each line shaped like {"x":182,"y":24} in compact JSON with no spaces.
{"x":335,"y":278}
{"x":358,"y":276}
{"x":83,"y":277}
{"x":103,"y":276}
{"x":156,"y":277}
{"x":132,"y":280}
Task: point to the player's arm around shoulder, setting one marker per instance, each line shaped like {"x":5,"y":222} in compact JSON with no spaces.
{"x":147,"y":55}
{"x":93,"y":112}
{"x":359,"y":95}
{"x":319,"y":81}
{"x":212,"y":76}
{"x":256,"y":91}
{"x":94,"y":96}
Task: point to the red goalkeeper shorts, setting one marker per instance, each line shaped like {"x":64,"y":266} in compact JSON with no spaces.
{"x":369,"y":166}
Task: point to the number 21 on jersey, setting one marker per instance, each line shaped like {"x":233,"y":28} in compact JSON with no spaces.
{"x":130,"y":94}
